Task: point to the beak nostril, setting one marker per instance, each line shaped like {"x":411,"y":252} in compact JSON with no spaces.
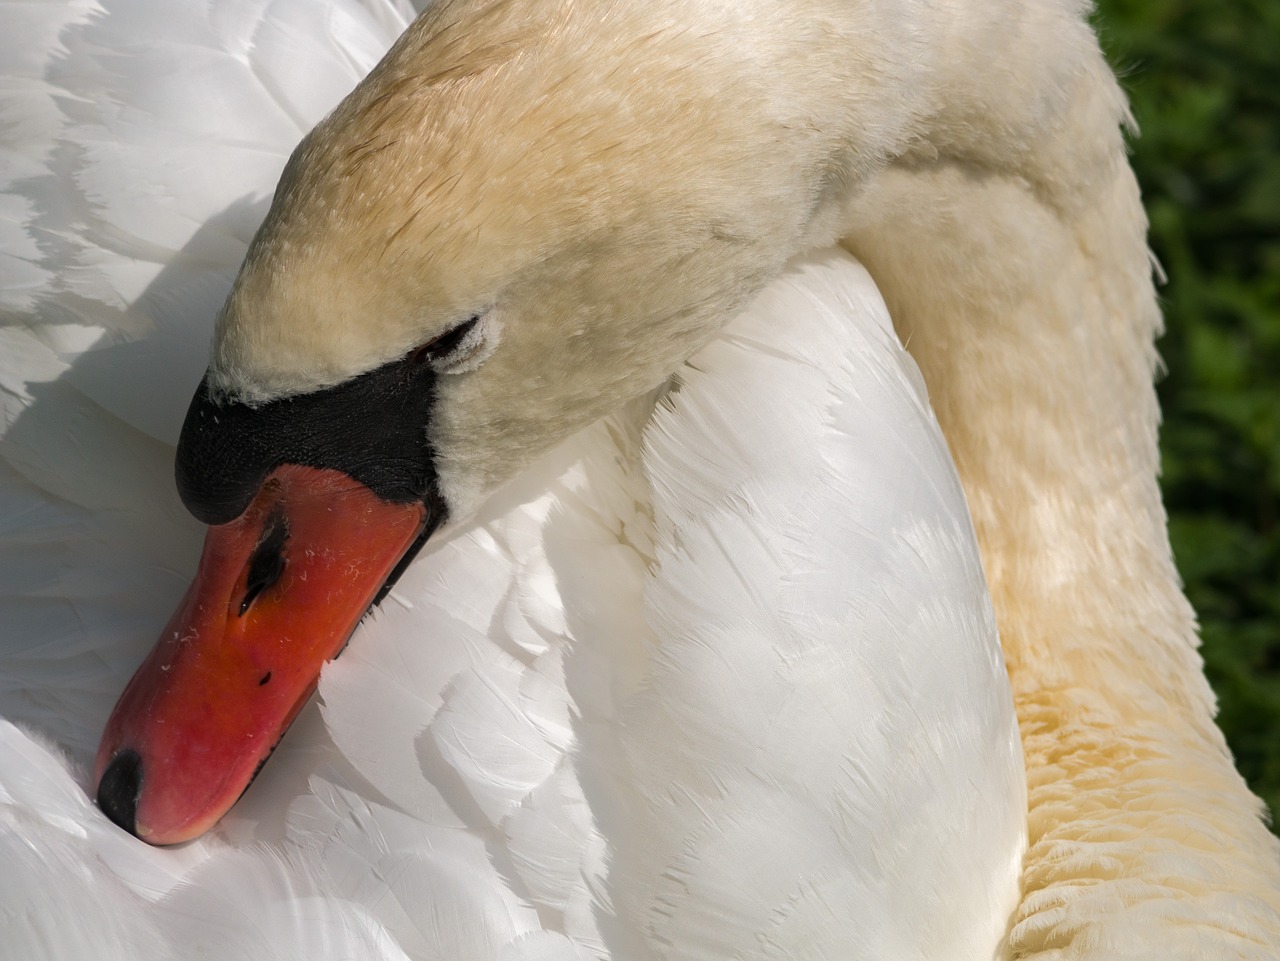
{"x":267,"y":563}
{"x":119,"y":789}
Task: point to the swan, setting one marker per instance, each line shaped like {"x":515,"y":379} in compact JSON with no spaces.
{"x":440,"y":803}
{"x":972,"y":161}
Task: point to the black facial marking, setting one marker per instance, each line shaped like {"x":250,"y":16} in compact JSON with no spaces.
{"x":372,"y":428}
{"x":267,"y":563}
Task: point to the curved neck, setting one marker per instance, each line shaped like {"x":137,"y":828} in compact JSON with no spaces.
{"x":1024,"y":291}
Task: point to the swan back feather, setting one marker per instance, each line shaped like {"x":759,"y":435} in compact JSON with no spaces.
{"x":116,"y":237}
{"x":480,"y":778}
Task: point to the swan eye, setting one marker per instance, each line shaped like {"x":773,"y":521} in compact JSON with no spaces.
{"x":460,"y":349}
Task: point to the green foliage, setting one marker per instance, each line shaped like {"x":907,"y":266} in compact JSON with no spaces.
{"x":1204,"y":80}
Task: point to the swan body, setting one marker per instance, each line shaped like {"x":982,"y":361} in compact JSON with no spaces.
{"x":676,"y":688}
{"x":531,"y":782}
{"x":518,"y":656}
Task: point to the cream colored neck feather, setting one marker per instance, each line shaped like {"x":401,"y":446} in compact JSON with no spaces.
{"x":1025,"y":295}
{"x":617,"y":178}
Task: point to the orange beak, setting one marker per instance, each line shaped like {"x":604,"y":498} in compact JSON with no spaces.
{"x":279,"y":591}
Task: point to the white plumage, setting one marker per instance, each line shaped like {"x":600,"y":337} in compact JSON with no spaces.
{"x":717,"y":677}
{"x":714,"y":679}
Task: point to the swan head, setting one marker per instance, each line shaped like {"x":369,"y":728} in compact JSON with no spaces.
{"x":520,"y":220}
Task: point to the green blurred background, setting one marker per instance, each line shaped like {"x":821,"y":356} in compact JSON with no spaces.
{"x":1204,"y":80}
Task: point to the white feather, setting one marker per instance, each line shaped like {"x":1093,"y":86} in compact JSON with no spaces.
{"x":714,"y":679}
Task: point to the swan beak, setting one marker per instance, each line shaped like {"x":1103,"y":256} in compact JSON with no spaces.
{"x":278,"y":592}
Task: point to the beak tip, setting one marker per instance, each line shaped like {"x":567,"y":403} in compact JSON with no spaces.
{"x":119,"y":788}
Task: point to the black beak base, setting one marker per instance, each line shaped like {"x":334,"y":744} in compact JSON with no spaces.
{"x":373,"y":428}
